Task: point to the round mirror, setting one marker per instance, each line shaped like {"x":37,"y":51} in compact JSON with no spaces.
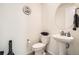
{"x":64,"y":16}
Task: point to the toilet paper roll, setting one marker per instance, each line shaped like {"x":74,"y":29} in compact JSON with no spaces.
{"x":28,"y":41}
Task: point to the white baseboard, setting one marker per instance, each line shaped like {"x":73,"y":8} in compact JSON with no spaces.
{"x":29,"y":53}
{"x":51,"y":53}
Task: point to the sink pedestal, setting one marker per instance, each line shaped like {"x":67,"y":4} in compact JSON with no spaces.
{"x":61,"y":48}
{"x":62,"y":40}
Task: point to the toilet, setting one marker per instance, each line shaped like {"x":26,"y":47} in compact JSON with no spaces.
{"x":39,"y":48}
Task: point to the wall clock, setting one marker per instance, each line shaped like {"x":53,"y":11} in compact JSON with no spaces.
{"x":26,"y":10}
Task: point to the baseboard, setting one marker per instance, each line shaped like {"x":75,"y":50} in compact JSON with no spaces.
{"x":50,"y":52}
{"x":30,"y":53}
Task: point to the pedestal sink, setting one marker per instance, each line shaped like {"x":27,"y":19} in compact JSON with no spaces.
{"x":62,"y":40}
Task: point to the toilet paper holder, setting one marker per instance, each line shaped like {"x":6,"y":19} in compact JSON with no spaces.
{"x":28,"y":41}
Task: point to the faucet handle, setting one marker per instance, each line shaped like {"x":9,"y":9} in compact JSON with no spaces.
{"x":68,"y":34}
{"x":62,"y":33}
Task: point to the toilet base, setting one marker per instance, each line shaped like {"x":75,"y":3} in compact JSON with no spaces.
{"x":39,"y":52}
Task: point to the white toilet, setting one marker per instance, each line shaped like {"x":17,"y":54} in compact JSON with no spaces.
{"x":39,"y":47}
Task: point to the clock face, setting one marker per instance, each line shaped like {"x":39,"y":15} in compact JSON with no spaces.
{"x":26,"y":10}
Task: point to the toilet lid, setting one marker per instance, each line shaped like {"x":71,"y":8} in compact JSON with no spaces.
{"x":38,"y":45}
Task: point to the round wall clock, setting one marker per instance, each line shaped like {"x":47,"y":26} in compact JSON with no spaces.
{"x":26,"y":10}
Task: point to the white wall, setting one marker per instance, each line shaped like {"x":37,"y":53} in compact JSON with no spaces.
{"x":49,"y":24}
{"x":16,"y":26}
{"x":74,"y":49}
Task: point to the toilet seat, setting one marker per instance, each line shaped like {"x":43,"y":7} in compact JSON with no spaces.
{"x":38,"y":46}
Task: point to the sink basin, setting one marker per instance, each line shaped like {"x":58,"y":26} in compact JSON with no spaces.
{"x":61,"y":42}
{"x":61,"y":38}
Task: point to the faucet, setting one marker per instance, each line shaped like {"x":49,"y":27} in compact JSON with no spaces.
{"x":65,"y":34}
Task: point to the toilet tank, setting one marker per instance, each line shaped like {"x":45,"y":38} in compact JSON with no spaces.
{"x":44,"y":37}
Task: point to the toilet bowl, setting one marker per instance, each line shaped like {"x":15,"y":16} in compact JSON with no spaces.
{"x":39,"y":48}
